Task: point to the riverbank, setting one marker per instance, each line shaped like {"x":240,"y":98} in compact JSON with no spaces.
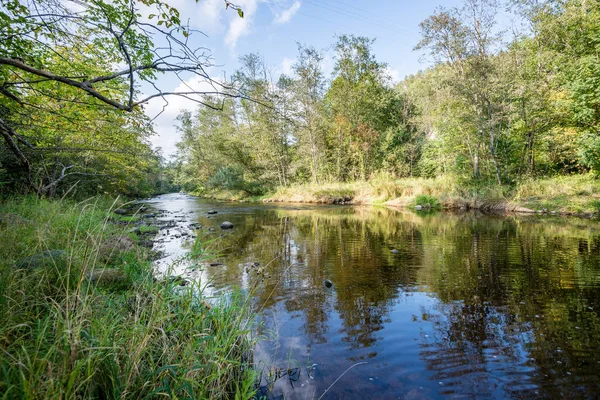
{"x":83,"y":316}
{"x":566,"y":195}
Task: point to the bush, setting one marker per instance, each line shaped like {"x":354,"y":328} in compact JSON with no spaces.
{"x":427,"y":201}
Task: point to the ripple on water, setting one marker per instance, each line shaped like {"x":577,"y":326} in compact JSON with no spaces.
{"x":467,"y":306}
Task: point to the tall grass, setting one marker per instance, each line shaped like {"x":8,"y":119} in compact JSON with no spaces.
{"x":574,"y":193}
{"x":64,"y":336}
{"x":382,"y":188}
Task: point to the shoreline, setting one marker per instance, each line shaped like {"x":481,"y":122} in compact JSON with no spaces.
{"x":577,"y":195}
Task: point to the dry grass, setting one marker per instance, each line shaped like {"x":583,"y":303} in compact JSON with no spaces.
{"x":564,"y":194}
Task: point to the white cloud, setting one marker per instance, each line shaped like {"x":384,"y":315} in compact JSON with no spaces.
{"x":286,"y":66}
{"x":239,"y":27}
{"x":394,"y":74}
{"x":209,"y":16}
{"x":285,"y":16}
{"x":166,"y":111}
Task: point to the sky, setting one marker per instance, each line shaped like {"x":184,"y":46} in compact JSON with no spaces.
{"x":273,"y":27}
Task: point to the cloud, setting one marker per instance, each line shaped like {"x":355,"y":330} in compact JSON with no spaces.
{"x":394,"y":74}
{"x":239,"y":27}
{"x":285,"y":16}
{"x":209,"y":16}
{"x":287,"y":66}
{"x":166,"y":111}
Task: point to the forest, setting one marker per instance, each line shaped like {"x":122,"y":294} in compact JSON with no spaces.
{"x":497,"y":108}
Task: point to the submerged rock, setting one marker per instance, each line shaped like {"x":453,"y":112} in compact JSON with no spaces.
{"x":48,"y":258}
{"x":226,"y":225}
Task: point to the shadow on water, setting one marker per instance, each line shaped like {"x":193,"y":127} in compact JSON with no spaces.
{"x":433,"y":306}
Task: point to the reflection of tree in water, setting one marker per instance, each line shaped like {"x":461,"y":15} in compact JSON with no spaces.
{"x":516,"y":300}
{"x":516,"y":319}
{"x":349,"y":246}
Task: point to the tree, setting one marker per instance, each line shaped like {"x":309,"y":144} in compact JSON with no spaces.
{"x":360,"y":102}
{"x":59,"y":58}
{"x":309,"y":89}
{"x":466,"y":40}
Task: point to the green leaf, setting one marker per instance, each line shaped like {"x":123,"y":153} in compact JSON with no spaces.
{"x":240,"y":13}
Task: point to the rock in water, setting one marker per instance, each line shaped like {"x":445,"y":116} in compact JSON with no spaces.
{"x":226,"y":225}
{"x":211,"y":212}
{"x":395,"y":251}
{"x":46,"y":258}
{"x":327,"y":283}
{"x":120,"y":211}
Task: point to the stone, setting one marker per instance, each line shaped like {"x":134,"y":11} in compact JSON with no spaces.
{"x":109,"y":249}
{"x":121,"y":211}
{"x":107,"y":275}
{"x":13,"y":219}
{"x":418,"y":207}
{"x":327,"y":283}
{"x":212,"y":212}
{"x":226,"y":225}
{"x":48,"y":258}
{"x":395,"y":251}
{"x":146,"y":243}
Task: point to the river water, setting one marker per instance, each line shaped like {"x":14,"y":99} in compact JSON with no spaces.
{"x":422,"y":306}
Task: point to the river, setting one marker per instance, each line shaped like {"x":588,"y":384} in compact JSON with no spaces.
{"x":421,"y":306}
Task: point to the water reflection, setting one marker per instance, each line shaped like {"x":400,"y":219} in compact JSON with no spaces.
{"x":438,"y":305}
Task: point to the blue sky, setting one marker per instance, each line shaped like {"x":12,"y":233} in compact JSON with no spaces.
{"x":272,"y":28}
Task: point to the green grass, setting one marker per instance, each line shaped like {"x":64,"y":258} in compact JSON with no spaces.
{"x":62,"y":336}
{"x":125,"y":218}
{"x":572,"y":193}
{"x":145,"y":229}
{"x":427,"y":201}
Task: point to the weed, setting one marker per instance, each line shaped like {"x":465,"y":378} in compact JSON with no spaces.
{"x":427,"y":201}
{"x":65,"y":336}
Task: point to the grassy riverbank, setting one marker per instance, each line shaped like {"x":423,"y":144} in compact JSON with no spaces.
{"x":67,"y":331}
{"x":564,"y":194}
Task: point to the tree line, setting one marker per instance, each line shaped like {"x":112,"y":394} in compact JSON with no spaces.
{"x":74,"y":79}
{"x":496,"y":107}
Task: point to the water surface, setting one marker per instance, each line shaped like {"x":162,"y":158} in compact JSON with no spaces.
{"x":421,"y":307}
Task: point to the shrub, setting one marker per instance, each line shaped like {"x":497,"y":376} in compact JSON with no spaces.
{"x":428,"y":201}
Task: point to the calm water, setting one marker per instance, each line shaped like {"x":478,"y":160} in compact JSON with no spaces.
{"x":467,"y":306}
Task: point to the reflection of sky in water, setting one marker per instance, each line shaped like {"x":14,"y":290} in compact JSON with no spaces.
{"x":467,"y":305}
